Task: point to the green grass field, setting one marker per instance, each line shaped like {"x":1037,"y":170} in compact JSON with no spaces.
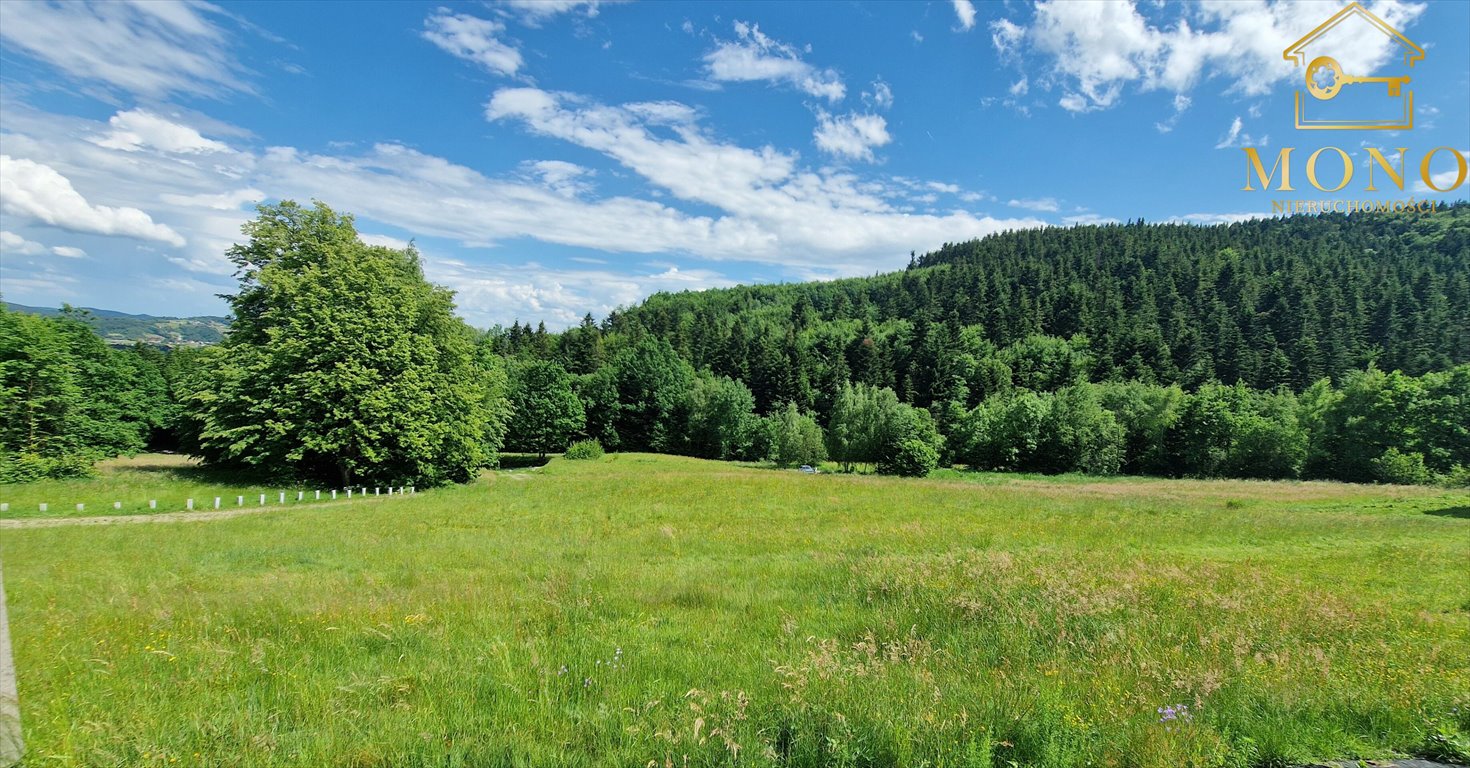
{"x":658,"y":611}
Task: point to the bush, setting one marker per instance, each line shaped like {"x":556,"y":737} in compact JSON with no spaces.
{"x":25,"y":467}
{"x":911,"y":458}
{"x":1396,"y":466}
{"x":584,"y":449}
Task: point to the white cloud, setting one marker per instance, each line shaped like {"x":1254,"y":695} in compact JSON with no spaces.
{"x":38,"y":192}
{"x":965,"y":11}
{"x":1042,"y":204}
{"x":473,"y":39}
{"x":68,"y":252}
{"x":534,"y":12}
{"x":565,"y":179}
{"x":150,"y":49}
{"x":385,"y":241}
{"x":15,"y":244}
{"x":707,"y":199}
{"x":1091,"y":50}
{"x":136,"y":129}
{"x":1234,"y":137}
{"x":1181,"y":103}
{"x":1086,"y":219}
{"x":881,"y":97}
{"x":772,"y":207}
{"x":502,"y":293}
{"x":758,"y":57}
{"x":852,"y":136}
{"x":223,"y":201}
{"x":1006,"y":35}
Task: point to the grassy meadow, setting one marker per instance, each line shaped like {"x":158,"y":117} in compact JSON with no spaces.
{"x":658,"y":611}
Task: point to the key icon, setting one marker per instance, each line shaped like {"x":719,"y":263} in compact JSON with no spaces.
{"x":1325,"y":78}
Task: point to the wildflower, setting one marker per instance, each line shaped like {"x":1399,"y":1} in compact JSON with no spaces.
{"x":1171,"y":715}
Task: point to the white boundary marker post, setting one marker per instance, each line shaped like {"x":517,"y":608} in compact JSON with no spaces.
{"x":216,"y":502}
{"x":117,"y":505}
{"x":12,"y":748}
{"x":318,"y":495}
{"x":153,"y":503}
{"x":190,"y":504}
{"x":43,"y":506}
{"x":81,"y":507}
{"x":334,"y":494}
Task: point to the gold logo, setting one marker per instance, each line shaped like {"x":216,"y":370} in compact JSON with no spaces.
{"x":1368,"y":103}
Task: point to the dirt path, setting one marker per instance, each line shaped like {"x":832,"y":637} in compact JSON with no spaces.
{"x":172,"y":517}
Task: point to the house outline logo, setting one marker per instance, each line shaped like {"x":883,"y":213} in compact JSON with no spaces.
{"x":1324,"y":77}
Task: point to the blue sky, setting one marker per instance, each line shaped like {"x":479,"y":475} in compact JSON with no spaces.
{"x":554,"y":158}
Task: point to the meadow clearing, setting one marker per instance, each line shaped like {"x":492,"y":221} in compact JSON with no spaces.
{"x":656,"y":611}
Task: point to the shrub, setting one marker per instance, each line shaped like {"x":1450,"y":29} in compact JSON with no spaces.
{"x":1396,"y":466}
{"x":911,"y":458}
{"x":25,"y":467}
{"x":584,"y":449}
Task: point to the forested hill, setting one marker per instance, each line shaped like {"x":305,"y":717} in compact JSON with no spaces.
{"x":1268,"y":303}
{"x":120,"y":329}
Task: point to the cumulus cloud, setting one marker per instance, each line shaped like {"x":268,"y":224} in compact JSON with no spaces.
{"x":852,"y":136}
{"x":38,"y":192}
{"x":771,"y":206}
{"x":964,"y":10}
{"x":703,"y":200}
{"x":473,"y":39}
{"x":138,"y":129}
{"x":152,"y":49}
{"x":755,"y":56}
{"x":1092,"y":50}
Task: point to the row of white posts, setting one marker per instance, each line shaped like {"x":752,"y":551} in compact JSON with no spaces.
{"x":240,"y":500}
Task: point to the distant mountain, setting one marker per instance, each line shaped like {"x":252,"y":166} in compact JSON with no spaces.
{"x":121,"y":329}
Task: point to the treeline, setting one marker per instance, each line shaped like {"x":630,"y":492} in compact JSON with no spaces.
{"x":1267,"y":303}
{"x":67,"y":399}
{"x":1255,"y":350}
{"x":1373,"y":427}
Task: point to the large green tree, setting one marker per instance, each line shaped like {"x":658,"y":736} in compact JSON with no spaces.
{"x":545,"y":410}
{"x":344,"y":364}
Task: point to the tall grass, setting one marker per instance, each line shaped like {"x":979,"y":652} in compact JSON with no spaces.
{"x":654,"y":610}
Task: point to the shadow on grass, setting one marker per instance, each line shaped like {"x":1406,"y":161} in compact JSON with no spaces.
{"x":522,"y":460}
{"x":1461,"y":512}
{"x":183,"y":468}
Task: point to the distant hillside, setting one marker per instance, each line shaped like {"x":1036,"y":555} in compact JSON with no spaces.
{"x":123,"y":329}
{"x":1272,"y":302}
